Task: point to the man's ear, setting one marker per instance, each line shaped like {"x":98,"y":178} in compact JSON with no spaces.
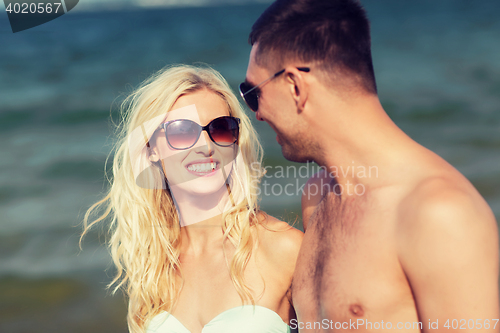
{"x":299,"y":88}
{"x":153,"y":154}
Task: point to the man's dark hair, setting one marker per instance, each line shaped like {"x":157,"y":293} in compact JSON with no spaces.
{"x":335,"y":34}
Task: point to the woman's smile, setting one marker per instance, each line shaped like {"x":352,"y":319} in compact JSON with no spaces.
{"x":203,"y":167}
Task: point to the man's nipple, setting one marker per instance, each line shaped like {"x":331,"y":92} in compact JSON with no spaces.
{"x":356,"y":310}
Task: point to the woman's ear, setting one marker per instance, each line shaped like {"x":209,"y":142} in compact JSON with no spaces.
{"x":153,"y":155}
{"x":298,"y":86}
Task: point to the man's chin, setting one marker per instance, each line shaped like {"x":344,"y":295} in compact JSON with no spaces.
{"x":293,"y":154}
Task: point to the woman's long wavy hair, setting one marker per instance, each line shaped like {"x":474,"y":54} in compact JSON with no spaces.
{"x":144,"y":224}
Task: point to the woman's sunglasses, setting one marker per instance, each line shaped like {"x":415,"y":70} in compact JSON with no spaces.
{"x":251,"y":93}
{"x":183,"y":133}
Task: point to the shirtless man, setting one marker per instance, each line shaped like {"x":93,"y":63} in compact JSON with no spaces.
{"x":410,"y":246}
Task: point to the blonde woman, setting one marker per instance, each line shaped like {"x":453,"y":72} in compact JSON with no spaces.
{"x":192,"y":250}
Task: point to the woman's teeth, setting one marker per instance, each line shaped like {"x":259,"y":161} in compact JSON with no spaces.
{"x":202,"y":167}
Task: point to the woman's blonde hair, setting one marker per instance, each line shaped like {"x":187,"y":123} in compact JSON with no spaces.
{"x":144,"y":224}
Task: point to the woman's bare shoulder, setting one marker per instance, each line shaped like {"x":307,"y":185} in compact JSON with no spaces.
{"x":279,"y":242}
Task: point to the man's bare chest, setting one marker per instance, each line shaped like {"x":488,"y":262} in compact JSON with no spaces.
{"x":348,"y":264}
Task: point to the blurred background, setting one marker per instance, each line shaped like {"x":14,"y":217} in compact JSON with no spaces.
{"x":438,"y":74}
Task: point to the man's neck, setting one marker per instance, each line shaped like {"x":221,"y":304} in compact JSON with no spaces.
{"x":361,"y":144}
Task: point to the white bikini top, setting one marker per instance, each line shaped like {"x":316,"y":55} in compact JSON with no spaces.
{"x":241,"y":319}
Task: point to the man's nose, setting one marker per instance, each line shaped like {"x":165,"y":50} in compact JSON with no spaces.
{"x":257,"y":115}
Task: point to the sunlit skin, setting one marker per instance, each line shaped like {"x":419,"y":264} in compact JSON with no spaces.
{"x":420,"y":244}
{"x":208,"y":290}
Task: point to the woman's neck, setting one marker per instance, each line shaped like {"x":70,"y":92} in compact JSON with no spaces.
{"x":202,"y":236}
{"x":195,"y":209}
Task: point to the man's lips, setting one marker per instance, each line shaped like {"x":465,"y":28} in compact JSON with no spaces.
{"x":203,"y":167}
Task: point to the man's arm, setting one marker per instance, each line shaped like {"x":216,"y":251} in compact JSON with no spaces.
{"x":449,"y":251}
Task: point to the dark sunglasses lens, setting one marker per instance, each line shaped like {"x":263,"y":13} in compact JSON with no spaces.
{"x":252,"y":99}
{"x":182,"y":134}
{"x":224,"y":131}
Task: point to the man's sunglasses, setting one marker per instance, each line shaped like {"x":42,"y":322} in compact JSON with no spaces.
{"x":184,"y":133}
{"x":251,"y":94}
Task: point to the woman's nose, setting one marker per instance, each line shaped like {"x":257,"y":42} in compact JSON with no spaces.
{"x":205,"y":144}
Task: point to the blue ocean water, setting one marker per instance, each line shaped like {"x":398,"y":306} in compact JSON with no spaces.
{"x":437,"y":71}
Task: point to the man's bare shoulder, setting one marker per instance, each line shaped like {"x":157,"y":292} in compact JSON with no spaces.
{"x":313,"y":192}
{"x":447,"y":243}
{"x":442,"y":210}
{"x":440,"y":197}
{"x":279,"y":242}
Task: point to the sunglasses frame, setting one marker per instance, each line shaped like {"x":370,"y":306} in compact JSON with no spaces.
{"x":205,"y":128}
{"x":244,"y":94}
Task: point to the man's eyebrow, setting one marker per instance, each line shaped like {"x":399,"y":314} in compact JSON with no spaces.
{"x":248,"y":82}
